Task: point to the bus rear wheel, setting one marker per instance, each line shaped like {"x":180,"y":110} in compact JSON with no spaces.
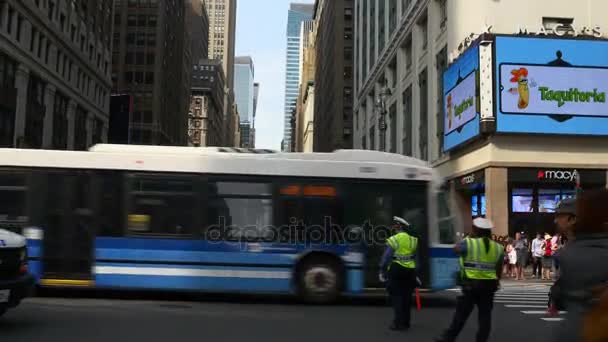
{"x":319,"y":281}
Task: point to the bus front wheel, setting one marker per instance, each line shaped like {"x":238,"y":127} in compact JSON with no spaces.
{"x":319,"y":280}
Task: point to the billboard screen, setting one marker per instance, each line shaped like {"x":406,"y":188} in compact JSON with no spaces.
{"x":551,"y":86}
{"x":460,"y":102}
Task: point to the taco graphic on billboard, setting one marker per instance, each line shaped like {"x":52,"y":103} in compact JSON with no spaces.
{"x":520,"y":76}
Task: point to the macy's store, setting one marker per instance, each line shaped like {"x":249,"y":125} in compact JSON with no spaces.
{"x":525,"y":117}
{"x":528,"y":195}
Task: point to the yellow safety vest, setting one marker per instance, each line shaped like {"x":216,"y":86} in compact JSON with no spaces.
{"x":404,"y":247}
{"x":479,"y":263}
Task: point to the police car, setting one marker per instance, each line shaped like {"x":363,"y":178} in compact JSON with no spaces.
{"x":15,"y":281}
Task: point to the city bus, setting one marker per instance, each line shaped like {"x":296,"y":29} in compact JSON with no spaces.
{"x":223,"y":219}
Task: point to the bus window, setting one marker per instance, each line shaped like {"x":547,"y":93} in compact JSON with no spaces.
{"x":162,"y":205}
{"x":240,"y":210}
{"x":111,"y":205}
{"x":13,"y":201}
{"x":445,"y":220}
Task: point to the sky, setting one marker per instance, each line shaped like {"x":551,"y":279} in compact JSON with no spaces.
{"x":261,"y":27}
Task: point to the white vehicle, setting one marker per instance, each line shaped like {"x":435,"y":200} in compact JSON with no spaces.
{"x":15,"y":281}
{"x":223,"y":219}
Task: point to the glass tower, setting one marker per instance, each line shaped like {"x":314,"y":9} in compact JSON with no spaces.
{"x":296,"y":14}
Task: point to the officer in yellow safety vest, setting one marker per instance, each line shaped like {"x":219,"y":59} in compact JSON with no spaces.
{"x":399,"y":266}
{"x":481,"y":266}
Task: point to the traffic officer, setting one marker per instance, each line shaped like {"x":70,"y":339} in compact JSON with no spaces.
{"x":399,"y":266}
{"x":481,"y":267}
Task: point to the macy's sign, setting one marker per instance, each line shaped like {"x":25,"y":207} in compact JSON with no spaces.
{"x":558,"y":175}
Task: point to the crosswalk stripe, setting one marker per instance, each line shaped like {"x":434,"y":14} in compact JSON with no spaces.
{"x":521,"y":302}
{"x":524,"y":306}
{"x":540,"y":312}
{"x":553,"y":319}
{"x":526,"y":297}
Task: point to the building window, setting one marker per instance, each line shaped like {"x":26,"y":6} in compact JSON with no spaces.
{"x":424,"y":35}
{"x":47,"y":51}
{"x":423,"y":128}
{"x":152,"y":21}
{"x":19,"y":26}
{"x":60,"y":122}
{"x":372,"y":138}
{"x":348,"y":33}
{"x":150,"y":58}
{"x":443,"y":14}
{"x":151,"y":39}
{"x":51,"y":10}
{"x":393,"y":126}
{"x":149,"y":77}
{"x":442,"y":65}
{"x":406,"y":141}
{"x":129,"y":58}
{"x":33,"y":38}
{"x":80,"y":129}
{"x":392,"y":22}
{"x":128,"y":77}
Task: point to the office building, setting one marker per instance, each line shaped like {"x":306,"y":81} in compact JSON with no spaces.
{"x":333,"y":113}
{"x":305,"y":100}
{"x":197,"y":20}
{"x":256,"y":94}
{"x":244,"y":92}
{"x":244,"y":74}
{"x":152,"y":61}
{"x":54,"y":73}
{"x":295,"y":16}
{"x":222,"y":30}
{"x":206,"y":115}
{"x":444,"y":89}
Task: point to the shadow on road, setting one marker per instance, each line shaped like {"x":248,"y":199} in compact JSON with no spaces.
{"x":440,"y":299}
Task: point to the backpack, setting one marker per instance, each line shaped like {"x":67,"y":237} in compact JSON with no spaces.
{"x":595,"y":321}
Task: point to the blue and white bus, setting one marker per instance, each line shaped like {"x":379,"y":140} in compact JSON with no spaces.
{"x":222,"y":219}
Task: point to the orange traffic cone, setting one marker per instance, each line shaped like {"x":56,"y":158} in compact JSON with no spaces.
{"x":418,"y":305}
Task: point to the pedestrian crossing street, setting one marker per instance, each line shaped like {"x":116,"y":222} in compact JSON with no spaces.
{"x":529,"y":300}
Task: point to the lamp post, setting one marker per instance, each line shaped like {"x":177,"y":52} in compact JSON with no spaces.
{"x":385,"y":92}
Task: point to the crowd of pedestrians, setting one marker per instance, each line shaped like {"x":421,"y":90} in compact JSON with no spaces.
{"x":521,"y":255}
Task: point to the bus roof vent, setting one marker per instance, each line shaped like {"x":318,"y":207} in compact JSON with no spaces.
{"x":245,"y":150}
{"x":377,"y":156}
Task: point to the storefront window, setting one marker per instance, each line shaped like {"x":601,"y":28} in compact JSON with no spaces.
{"x":478,"y":205}
{"x":522,"y":200}
{"x":548,"y":199}
{"x":474,"y":206}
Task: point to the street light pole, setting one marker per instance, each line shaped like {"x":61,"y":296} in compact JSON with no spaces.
{"x":381,"y":108}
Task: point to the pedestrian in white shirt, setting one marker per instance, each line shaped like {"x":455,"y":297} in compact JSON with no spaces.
{"x":537,"y":256}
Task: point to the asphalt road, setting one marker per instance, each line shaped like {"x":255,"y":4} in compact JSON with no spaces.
{"x":155,"y":317}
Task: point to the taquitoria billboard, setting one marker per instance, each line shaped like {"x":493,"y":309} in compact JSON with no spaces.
{"x":461,"y":108}
{"x":551,"y":86}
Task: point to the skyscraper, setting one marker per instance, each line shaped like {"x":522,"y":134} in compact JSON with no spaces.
{"x":333,"y":114}
{"x":152,"y":61}
{"x":244,"y":93}
{"x":296,"y":14}
{"x":243,"y":87}
{"x":222,"y":30}
{"x":55,"y":73}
